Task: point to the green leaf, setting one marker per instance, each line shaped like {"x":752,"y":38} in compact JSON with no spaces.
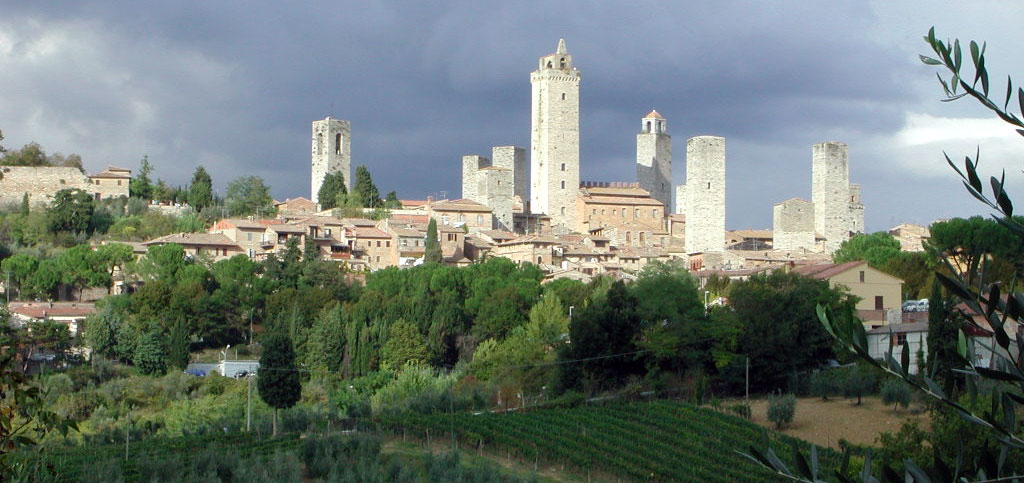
{"x":1009,"y":415}
{"x":905,"y":359}
{"x":919,"y":475}
{"x":1009,"y":92}
{"x":956,"y":56}
{"x":1020,"y":99}
{"x":815,"y":467}
{"x":998,"y":375}
{"x":929,"y":60}
{"x":961,"y":343}
{"x":974,"y":53}
{"x":801,"y":462}
{"x":954,"y":286}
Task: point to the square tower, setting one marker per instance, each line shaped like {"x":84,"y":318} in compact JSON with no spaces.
{"x":514,"y":158}
{"x":834,"y":201}
{"x":705,"y":194}
{"x":471,"y":166}
{"x":654,"y":159}
{"x":555,"y":137}
{"x":793,"y":225}
{"x":332,"y":153}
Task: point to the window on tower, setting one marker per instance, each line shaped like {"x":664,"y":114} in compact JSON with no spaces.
{"x":648,"y":126}
{"x":337,"y":143}
{"x":563,"y":96}
{"x":709,"y":185}
{"x":563,"y":166}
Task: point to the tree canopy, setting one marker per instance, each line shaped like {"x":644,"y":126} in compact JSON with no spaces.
{"x":332,"y":186}
{"x":248,"y":195}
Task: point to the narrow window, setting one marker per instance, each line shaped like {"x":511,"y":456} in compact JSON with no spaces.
{"x":878,"y":302}
{"x":636,"y":213}
{"x":563,"y":96}
{"x":862,"y":275}
{"x":629,"y":238}
{"x":641,"y":238}
{"x":709,"y":185}
{"x":563,"y":210}
{"x":563,"y":184}
{"x":539,"y":259}
{"x":654,"y":213}
{"x":648,"y":126}
{"x":118,"y":182}
{"x":563,"y":166}
{"x":337,"y":143}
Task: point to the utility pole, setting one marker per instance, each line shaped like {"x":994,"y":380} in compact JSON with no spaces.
{"x":248,"y":407}
{"x":747,"y":396}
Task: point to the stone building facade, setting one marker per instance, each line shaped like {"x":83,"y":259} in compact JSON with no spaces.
{"x":838,"y":212}
{"x":793,"y":225}
{"x":43,"y":182}
{"x":704,"y":194}
{"x":654,"y":158}
{"x":513,"y":158}
{"x":555,"y":137}
{"x":495,"y":189}
{"x":471,"y":166}
{"x":332,"y":152}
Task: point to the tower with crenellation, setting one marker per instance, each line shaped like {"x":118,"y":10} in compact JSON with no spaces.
{"x":555,"y":137}
{"x":654,"y":158}
{"x":332,"y":153}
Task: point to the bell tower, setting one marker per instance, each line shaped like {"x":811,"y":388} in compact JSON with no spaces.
{"x":654,"y":158}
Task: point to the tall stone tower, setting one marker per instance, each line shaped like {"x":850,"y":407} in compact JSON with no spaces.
{"x":836,"y":202}
{"x":704,"y":193}
{"x":332,"y":152}
{"x":514,"y":158}
{"x":555,"y":137}
{"x":654,"y":158}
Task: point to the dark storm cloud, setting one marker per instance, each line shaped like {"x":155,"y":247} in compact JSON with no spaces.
{"x":235,"y":85}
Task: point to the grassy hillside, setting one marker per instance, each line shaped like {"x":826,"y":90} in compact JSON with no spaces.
{"x":663,"y":441}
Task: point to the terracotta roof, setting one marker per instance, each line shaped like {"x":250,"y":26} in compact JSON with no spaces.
{"x":900,"y":328}
{"x":240,"y":223}
{"x":413,"y":203}
{"x":617,"y":191}
{"x":497,"y":235}
{"x":107,"y":173}
{"x":207,"y":239}
{"x":410,"y":218}
{"x":621,"y":200}
{"x":287,"y":228}
{"x":763,"y":234}
{"x":653,"y":114}
{"x":368,"y":232}
{"x":823,"y":271}
{"x":459,"y":205}
{"x":42,"y":310}
{"x":450,"y":229}
{"x":407,"y":232}
{"x":543,"y":239}
{"x":477,"y":242}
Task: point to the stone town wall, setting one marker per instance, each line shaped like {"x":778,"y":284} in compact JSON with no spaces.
{"x":654,"y":166}
{"x":705,"y":194}
{"x":793,"y":225}
{"x":332,"y":152}
{"x":471,"y":166}
{"x":40,"y":182}
{"x":496,"y":192}
{"x":513,"y":158}
{"x":555,"y":140}
{"x":830,"y":193}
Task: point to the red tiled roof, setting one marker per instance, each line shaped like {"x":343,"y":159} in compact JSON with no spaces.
{"x":823,"y":271}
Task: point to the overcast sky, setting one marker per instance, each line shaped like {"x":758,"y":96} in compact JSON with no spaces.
{"x":234,"y":86}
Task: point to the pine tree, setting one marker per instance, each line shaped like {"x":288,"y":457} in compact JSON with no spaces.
{"x":200,"y":192}
{"x":432,"y":250}
{"x":25,"y":208}
{"x":333,"y":185}
{"x":278,"y":381}
{"x":141,"y":186}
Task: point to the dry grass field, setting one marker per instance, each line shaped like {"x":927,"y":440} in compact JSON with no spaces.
{"x":826,"y":422}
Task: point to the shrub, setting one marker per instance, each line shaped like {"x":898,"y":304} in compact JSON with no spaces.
{"x":897,"y":393}
{"x":781,"y":410}
{"x":741,"y":409}
{"x":824,"y":383}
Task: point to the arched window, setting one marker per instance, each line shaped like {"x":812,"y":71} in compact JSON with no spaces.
{"x":648,"y":126}
{"x":337,"y":143}
{"x":539,"y":260}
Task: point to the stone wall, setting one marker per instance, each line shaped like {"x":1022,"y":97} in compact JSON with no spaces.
{"x":705,"y":194}
{"x":793,"y":226}
{"x":830,"y":193}
{"x":41,"y":183}
{"x":513,"y":158}
{"x":654,"y":161}
{"x":496,"y":192}
{"x":555,"y":137}
{"x":332,"y":152}
{"x":471,"y":166}
{"x":680,"y":199}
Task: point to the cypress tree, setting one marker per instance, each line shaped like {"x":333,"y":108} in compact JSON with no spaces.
{"x":432,"y":249}
{"x":943,"y":334}
{"x":278,"y":380}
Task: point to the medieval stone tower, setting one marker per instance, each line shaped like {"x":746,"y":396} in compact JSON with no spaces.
{"x":332,"y":152}
{"x":704,"y":194}
{"x":555,"y":137}
{"x":793,"y":225}
{"x":838,"y":212}
{"x":654,"y":158}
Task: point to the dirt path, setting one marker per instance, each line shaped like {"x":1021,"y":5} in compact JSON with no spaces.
{"x":826,"y":422}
